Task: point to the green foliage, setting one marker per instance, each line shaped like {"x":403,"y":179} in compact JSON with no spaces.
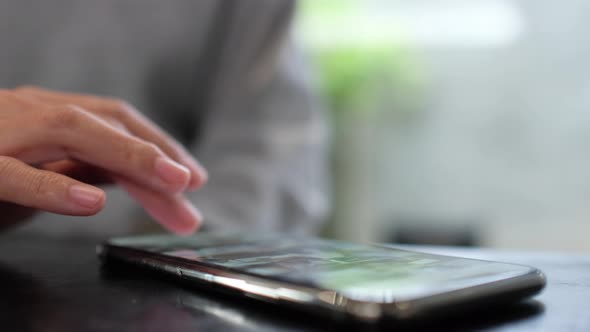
{"x":355,"y":64}
{"x":352,"y":77}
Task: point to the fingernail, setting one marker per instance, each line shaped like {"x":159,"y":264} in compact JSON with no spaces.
{"x":197,"y":181}
{"x":172,"y":172}
{"x":86,"y":196}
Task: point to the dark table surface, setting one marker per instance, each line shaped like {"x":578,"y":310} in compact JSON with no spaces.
{"x":49,"y":284}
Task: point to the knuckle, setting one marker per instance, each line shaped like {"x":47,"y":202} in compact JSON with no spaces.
{"x":37,"y":186}
{"x":7,"y":165}
{"x":66,"y":117}
{"x":136,"y":152}
{"x":33,"y":183}
{"x":119,"y":103}
{"x":129,"y":152}
{"x":40,"y":185}
{"x":117,"y":108}
{"x":151,"y":149}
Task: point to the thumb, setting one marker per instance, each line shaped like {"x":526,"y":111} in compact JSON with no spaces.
{"x":48,"y":191}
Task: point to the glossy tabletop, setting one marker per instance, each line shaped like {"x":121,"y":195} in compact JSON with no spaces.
{"x":50,"y":284}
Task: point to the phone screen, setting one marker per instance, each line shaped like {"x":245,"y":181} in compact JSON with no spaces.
{"x":357,"y":271}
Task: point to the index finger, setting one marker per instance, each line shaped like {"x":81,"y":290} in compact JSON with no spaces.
{"x":135,"y":122}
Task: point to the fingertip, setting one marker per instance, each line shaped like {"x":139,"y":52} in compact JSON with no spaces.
{"x":189,"y":220}
{"x":199,"y":177}
{"x":175,"y":213}
{"x":186,"y":231}
{"x":195,"y":183}
{"x":180,"y":218}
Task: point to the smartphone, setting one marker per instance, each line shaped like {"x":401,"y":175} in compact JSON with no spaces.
{"x":364,"y":282}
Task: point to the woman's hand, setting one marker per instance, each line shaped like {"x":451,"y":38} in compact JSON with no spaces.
{"x":54,"y":146}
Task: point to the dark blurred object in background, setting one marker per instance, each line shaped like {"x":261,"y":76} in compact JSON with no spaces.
{"x":443,"y":234}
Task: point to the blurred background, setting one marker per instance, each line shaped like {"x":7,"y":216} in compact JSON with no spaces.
{"x":461,"y":122}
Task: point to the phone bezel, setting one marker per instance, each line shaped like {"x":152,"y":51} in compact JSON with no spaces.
{"x":330,"y":302}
